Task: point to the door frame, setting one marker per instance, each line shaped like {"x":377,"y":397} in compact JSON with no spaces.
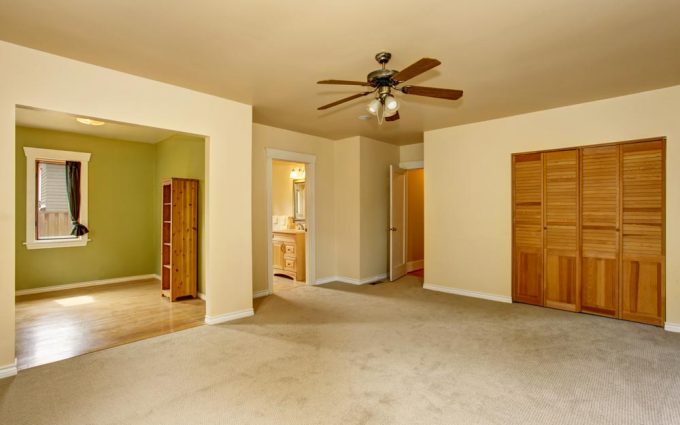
{"x":408,"y":166}
{"x":310,"y":198}
{"x":391,"y":267}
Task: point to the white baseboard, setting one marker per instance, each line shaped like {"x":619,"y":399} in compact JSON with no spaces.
{"x":9,"y":370}
{"x":415,"y":265}
{"x":263,"y":293}
{"x":85,"y":284}
{"x":201,"y":296}
{"x":466,"y":293}
{"x":324,"y":280}
{"x":228,"y":317}
{"x":672,"y":327}
{"x":350,"y":280}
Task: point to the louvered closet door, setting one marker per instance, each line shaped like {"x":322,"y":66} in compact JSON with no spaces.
{"x":643,"y":250}
{"x":527,"y":276}
{"x":561,"y":229}
{"x":600,"y":206}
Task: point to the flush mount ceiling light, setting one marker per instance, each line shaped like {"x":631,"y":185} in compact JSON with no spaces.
{"x":88,"y":121}
{"x":297,"y":173}
{"x":383,"y":81}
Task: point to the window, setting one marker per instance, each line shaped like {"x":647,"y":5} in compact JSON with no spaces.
{"x":52,"y":214}
{"x":48,"y":214}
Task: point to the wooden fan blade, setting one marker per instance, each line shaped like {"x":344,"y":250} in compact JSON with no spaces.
{"x":347,"y":99}
{"x":344,"y":82}
{"x":393,"y":117}
{"x":433,"y":92}
{"x":425,"y":64}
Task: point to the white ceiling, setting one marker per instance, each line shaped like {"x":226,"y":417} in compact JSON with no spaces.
{"x":111,"y":130}
{"x":509,"y":57}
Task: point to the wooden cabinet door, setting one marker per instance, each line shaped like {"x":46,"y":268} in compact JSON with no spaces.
{"x":527,"y":213}
{"x":600,"y":215}
{"x":643,"y":232}
{"x":278,"y":261}
{"x":561,"y":229}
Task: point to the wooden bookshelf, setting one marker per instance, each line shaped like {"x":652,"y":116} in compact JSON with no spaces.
{"x":179,"y":244}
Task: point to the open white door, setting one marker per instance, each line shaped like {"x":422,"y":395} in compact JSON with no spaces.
{"x":397,"y":223}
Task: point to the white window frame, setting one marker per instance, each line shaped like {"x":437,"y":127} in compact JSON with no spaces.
{"x":32,"y":156}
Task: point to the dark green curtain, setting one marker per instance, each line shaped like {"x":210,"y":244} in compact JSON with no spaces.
{"x":73,"y":193}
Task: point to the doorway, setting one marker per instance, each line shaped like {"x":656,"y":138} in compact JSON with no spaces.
{"x":101,"y":287}
{"x":290,"y":220}
{"x":407,"y":222}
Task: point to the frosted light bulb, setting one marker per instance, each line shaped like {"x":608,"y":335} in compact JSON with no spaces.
{"x":373,"y":107}
{"x":391,"y":104}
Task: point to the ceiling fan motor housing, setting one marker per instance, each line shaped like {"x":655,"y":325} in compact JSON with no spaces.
{"x":381,"y":77}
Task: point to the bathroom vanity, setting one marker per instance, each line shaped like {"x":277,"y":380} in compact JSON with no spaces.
{"x":288,"y":253}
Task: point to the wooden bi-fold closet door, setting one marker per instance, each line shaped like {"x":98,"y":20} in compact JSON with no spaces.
{"x":527,"y":216}
{"x":643,"y":232}
{"x":561,"y":218}
{"x":589,"y":229}
{"x":600,"y":229}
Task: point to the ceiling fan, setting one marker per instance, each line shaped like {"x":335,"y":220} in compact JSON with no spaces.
{"x":383,"y":81}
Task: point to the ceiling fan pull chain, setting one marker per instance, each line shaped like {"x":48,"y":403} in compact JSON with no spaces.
{"x":381,"y":114}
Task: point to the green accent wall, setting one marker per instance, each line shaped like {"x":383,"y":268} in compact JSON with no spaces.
{"x":181,"y":156}
{"x":124,"y":207}
{"x":121,"y":179}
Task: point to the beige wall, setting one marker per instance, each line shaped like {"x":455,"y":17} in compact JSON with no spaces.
{"x":352,"y":190}
{"x":362,"y":206}
{"x":32,"y":78}
{"x":282,"y":187}
{"x":347,"y":216}
{"x":467,"y":185}
{"x":409,"y":153}
{"x":415,"y":211}
{"x":375,"y":159}
{"x":269,"y":137}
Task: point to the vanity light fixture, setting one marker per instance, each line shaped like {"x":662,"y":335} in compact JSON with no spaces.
{"x":88,"y":121}
{"x":297,"y":174}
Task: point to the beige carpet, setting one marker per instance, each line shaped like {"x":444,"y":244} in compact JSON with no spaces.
{"x":383,"y":354}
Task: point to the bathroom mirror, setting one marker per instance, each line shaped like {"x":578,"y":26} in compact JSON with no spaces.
{"x":299,"y":200}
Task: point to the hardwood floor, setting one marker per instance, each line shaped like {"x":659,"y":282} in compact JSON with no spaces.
{"x":58,"y":325}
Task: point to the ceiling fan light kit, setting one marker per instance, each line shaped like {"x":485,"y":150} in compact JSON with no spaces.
{"x":383,"y":81}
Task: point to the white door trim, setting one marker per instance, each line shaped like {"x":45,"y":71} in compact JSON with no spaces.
{"x":310,"y":187}
{"x":397,"y":270}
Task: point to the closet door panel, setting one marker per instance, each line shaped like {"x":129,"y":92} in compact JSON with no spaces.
{"x":561,"y":229}
{"x":643,"y":287}
{"x":600,"y":217}
{"x":643,"y":298}
{"x":599,"y":288}
{"x":527,"y":273}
